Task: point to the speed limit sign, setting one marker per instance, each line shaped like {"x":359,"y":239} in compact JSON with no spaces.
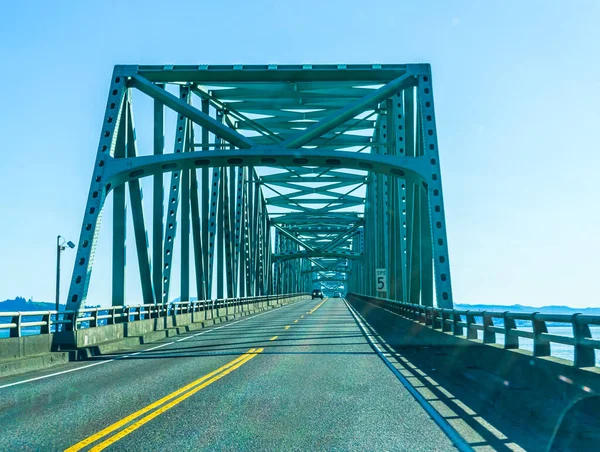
{"x":381,"y":279}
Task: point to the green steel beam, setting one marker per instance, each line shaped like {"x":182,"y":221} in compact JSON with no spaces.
{"x":137,"y":212}
{"x":190,"y":112}
{"x":173,"y":200}
{"x":158,"y":205}
{"x":357,"y":185}
{"x":349,"y":112}
{"x":119,"y":221}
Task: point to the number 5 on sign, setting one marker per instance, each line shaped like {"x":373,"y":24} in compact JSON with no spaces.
{"x":381,"y":279}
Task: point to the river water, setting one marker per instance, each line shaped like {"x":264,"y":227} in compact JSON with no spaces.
{"x":558,"y":350}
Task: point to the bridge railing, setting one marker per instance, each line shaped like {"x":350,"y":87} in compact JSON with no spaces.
{"x":46,"y":322}
{"x":461,"y":322}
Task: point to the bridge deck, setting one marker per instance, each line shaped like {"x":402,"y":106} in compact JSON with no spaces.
{"x":317,"y":385}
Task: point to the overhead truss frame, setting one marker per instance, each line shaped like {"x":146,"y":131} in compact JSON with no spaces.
{"x":352,"y":183}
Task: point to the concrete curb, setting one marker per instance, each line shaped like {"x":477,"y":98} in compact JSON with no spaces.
{"x":31,"y":363}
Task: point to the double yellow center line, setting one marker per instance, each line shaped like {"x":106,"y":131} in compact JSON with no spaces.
{"x":287,"y":327}
{"x":160,"y":406}
{"x":317,"y":306}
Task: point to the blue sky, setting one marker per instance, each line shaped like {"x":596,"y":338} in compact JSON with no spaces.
{"x":517,"y":88}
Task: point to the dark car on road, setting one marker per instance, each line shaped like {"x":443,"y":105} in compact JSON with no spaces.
{"x":317,"y":294}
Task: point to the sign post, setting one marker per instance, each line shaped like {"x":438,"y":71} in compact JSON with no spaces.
{"x":381,"y":279}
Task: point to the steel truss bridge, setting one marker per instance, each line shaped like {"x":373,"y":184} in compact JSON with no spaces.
{"x":281,"y":178}
{"x":272,"y":181}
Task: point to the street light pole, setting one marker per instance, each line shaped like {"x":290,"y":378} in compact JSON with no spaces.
{"x":60,"y":246}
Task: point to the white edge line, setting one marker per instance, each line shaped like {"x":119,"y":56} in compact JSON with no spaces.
{"x":450,"y":432}
{"x":142,"y":351}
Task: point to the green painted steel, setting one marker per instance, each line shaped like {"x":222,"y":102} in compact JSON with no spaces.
{"x":291,"y":177}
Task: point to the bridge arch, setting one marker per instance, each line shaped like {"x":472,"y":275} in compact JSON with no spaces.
{"x":120,"y":170}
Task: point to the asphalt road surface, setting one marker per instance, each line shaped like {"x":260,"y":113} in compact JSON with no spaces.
{"x":301,"y":377}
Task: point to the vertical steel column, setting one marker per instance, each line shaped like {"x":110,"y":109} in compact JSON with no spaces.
{"x":158,"y":204}
{"x":119,"y":221}
{"x":212,"y":228}
{"x":277,"y":265}
{"x":229,"y":175}
{"x":173,"y":204}
{"x":269,"y":255}
{"x":206,"y":174}
{"x":397,"y":139}
{"x":443,"y":286}
{"x":196,"y":230}
{"x":426,"y":257}
{"x":219,"y":221}
{"x":256,"y":234}
{"x":239,"y":248}
{"x":137,"y":213}
{"x":185,"y":226}
{"x":407,"y":188}
{"x":247,"y":230}
{"x":414,"y":208}
{"x":382,"y":198}
{"x":220,"y":234}
{"x":368,"y":254}
{"x":243,"y":236}
{"x":392,"y":184}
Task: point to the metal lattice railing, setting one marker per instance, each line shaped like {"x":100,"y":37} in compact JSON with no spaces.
{"x":93,"y":317}
{"x":467,"y":323}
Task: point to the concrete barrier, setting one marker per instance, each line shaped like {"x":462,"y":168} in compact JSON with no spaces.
{"x":52,"y":349}
{"x":19,"y":347}
{"x":533,"y":390}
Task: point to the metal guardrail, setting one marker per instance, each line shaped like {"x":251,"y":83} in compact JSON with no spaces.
{"x":93,"y":317}
{"x":461,"y":322}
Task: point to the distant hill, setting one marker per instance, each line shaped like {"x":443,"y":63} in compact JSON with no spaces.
{"x":21,"y":304}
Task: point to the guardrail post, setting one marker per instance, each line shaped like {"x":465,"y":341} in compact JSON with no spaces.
{"x":93,"y":323}
{"x":471,"y":332}
{"x":45,"y":329}
{"x":428,"y":312}
{"x":435,"y":319}
{"x":419,"y":314}
{"x":446,"y":327}
{"x":16,"y":330}
{"x":411,"y":312}
{"x":405,"y":310}
{"x":510,"y":342}
{"x":489,"y":337}
{"x":541,"y":347}
{"x":584,"y":356}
